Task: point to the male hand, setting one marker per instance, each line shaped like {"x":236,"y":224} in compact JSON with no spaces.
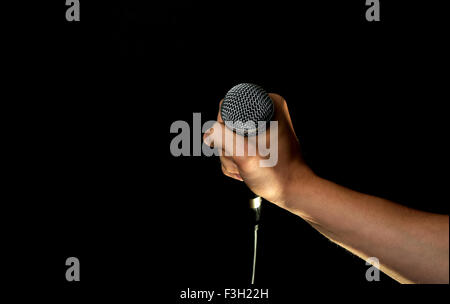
{"x":271,"y":183}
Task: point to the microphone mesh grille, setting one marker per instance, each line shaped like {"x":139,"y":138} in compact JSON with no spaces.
{"x":243,"y":106}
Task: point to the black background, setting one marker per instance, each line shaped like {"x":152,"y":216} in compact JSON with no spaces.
{"x":96,"y":101}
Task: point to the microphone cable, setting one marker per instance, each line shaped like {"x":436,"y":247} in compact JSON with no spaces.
{"x":255,"y":205}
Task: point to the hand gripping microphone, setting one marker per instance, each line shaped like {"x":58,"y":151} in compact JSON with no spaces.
{"x":242,"y":108}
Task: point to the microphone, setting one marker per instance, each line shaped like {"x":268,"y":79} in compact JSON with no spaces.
{"x":243,"y":106}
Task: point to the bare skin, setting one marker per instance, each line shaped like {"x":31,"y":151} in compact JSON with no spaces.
{"x":412,"y":246}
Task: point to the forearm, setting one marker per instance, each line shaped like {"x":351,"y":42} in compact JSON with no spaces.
{"x":412,"y":246}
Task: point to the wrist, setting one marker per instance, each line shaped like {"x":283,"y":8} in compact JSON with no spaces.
{"x":300,"y":183}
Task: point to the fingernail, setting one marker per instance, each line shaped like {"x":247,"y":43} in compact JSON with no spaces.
{"x":208,"y":141}
{"x":238,"y":177}
{"x":207,"y":137}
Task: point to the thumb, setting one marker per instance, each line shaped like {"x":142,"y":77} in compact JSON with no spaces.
{"x":221,"y":138}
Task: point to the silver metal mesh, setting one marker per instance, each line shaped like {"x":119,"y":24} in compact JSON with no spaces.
{"x":244,"y":106}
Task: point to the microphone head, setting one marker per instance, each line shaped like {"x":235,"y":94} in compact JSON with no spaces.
{"x":244,"y":106}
